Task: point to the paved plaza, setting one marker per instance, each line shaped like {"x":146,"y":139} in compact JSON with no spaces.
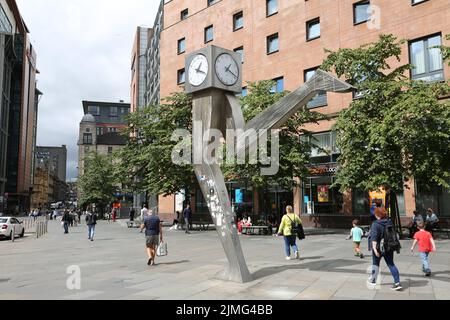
{"x":114,"y":266}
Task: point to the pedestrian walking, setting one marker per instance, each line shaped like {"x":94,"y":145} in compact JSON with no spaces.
{"x":187,"y":214}
{"x":289,"y":228}
{"x":426,"y":246}
{"x":91,"y":222}
{"x":132,"y":214}
{"x":144,"y":213}
{"x":153,"y":235}
{"x":356,"y":234}
{"x":384,"y":243}
{"x":65,"y":220}
{"x":114,"y":214}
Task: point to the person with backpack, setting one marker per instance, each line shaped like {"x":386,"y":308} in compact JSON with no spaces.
{"x":426,"y":245}
{"x":65,"y":221}
{"x":91,"y":221}
{"x":289,"y":228}
{"x":384,"y":243}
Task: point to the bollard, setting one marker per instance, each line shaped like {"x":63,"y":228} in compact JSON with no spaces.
{"x":13,"y":233}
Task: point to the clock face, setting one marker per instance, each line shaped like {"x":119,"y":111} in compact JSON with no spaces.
{"x":198,"y":70}
{"x":227,"y":69}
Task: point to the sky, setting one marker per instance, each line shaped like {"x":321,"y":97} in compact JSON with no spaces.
{"x":83,"y":53}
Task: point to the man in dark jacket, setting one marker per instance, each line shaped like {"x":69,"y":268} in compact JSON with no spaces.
{"x":91,"y":221}
{"x":187,"y":214}
{"x":377,"y":232}
{"x":66,"y":220}
{"x":132,"y":214}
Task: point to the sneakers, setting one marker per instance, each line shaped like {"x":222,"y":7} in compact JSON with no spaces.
{"x":149,"y":262}
{"x":361,"y":255}
{"x":396,"y":287}
{"x":288,"y":258}
{"x":297,"y":255}
{"x":428,"y":273}
{"x":371,"y":282}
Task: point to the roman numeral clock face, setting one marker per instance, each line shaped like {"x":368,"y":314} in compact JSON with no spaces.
{"x":198,"y":70}
{"x":227,"y":69}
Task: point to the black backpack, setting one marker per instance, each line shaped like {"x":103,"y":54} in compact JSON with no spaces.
{"x":297,"y":229}
{"x":390,"y":241}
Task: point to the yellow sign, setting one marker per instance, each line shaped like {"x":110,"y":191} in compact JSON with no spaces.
{"x":323,"y":193}
{"x":379,"y":195}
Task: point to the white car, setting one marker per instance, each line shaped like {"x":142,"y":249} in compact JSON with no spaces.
{"x":7,"y":224}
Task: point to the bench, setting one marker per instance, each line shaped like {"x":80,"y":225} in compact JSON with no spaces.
{"x":255,"y":230}
{"x":201,"y":223}
{"x":133,"y":224}
{"x":447,"y":231}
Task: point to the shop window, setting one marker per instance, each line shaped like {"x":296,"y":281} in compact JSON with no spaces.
{"x":321,"y":99}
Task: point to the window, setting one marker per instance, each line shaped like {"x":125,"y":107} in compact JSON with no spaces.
{"x":181,"y":78}
{"x":112,"y":129}
{"x":413,"y":2}
{"x":426,"y":59}
{"x":99,"y":131}
{"x":211,"y":2}
{"x":361,"y":12}
{"x":238,"y":21}
{"x":209,"y":34}
{"x":244,"y":92}
{"x":324,"y":149}
{"x":271,"y":7}
{"x":184,"y":14}
{"x":94,"y":110}
{"x":5,"y":24}
{"x":272,"y":43}
{"x":181,"y":45}
{"x":313,"y":29}
{"x":87,"y":138}
{"x":110,"y":150}
{"x":279,"y":86}
{"x":240,"y":50}
{"x":88,"y":129}
{"x":113,"y":112}
{"x":321,"y":99}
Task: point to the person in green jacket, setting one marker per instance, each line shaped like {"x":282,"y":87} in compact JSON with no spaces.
{"x":286,"y":230}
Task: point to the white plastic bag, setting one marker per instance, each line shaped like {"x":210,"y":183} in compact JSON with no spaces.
{"x":162,"y":250}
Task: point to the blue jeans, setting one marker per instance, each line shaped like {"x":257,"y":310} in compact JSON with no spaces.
{"x":290,"y":241}
{"x":91,"y":231}
{"x":425,"y":263}
{"x":66,"y":227}
{"x":389,"y":258}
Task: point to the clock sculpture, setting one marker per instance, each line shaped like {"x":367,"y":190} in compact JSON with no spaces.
{"x":214,"y":76}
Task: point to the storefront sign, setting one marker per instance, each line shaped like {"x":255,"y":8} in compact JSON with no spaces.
{"x":323,"y":193}
{"x":327,"y":169}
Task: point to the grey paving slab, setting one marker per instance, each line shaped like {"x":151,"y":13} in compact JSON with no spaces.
{"x":114,"y":267}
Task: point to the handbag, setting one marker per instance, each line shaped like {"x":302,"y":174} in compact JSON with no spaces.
{"x":297,"y":229}
{"x":162,"y":249}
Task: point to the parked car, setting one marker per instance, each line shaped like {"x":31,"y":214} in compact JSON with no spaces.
{"x":7,"y":224}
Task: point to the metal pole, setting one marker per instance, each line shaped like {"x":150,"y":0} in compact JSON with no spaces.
{"x":13,"y":233}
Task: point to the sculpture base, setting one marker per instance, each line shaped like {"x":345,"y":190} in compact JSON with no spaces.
{"x":228,"y":275}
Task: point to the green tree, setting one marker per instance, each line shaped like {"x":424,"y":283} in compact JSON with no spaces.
{"x":97,"y":183}
{"x":145,"y":163}
{"x":398,"y":128}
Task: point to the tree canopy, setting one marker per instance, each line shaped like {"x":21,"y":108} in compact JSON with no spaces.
{"x":396,"y":128}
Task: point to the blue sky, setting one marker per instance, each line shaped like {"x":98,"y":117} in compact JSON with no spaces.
{"x":83,"y":53}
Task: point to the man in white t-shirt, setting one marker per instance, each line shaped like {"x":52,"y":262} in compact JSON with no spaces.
{"x":144,"y":213}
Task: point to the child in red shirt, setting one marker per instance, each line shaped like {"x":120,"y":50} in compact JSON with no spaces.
{"x":426,"y":245}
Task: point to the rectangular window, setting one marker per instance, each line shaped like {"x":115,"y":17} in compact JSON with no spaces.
{"x":279,"y":86}
{"x":111,"y":129}
{"x":240,"y":50}
{"x":361,"y":12}
{"x":87,"y":138}
{"x":181,"y":78}
{"x":209,"y":33}
{"x":271,"y":7}
{"x":182,"y":46}
{"x":427,"y":59}
{"x":113,"y":112}
{"x":99,"y":131}
{"x":324,"y":149}
{"x":272,"y":43}
{"x":321,"y":99}
{"x":313,"y":29}
{"x":94,"y":110}
{"x":238,"y":21}
{"x":5,"y":24}
{"x":184,"y":14}
{"x":110,"y":150}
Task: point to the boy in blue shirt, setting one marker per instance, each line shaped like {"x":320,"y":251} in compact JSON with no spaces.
{"x":356,"y":233}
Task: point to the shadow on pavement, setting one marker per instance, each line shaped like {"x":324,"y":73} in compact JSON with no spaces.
{"x":171,"y":263}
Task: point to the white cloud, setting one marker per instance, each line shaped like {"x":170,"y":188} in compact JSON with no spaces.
{"x":83,"y":53}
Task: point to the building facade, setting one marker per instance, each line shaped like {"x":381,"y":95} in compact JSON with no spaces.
{"x":139,"y":68}
{"x":19,"y":109}
{"x":55,"y":157}
{"x":285,"y":41}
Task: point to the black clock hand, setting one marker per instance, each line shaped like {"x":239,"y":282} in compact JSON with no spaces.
{"x":199,"y":67}
{"x":232,"y":73}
